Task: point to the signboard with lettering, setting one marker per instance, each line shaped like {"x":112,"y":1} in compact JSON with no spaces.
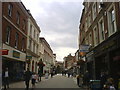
{"x":16,"y":54}
{"x":84,"y":48}
{"x":5,"y":52}
{"x":28,"y":57}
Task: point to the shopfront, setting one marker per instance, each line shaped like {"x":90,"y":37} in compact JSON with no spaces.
{"x":15,"y":62}
{"x":90,"y":64}
{"x":107,"y":56}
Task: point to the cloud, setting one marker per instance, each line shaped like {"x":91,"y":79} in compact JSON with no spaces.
{"x":59,"y":24}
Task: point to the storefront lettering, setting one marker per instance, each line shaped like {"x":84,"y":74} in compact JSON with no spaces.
{"x":16,"y":54}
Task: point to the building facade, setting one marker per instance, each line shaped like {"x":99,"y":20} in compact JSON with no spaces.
{"x":100,"y":29}
{"x":48,"y":55}
{"x":32,"y":44}
{"x":14,"y":38}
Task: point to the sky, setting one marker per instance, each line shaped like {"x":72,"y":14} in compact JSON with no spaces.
{"x":59,"y":23}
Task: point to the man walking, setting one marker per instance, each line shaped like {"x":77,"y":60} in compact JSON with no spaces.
{"x":6,"y":79}
{"x":27,"y":78}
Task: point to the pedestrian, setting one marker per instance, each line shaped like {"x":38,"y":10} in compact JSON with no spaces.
{"x":27,"y":78}
{"x":46,"y":74}
{"x":33,"y":80}
{"x":6,"y":78}
{"x":103,"y":79}
{"x":40,"y":74}
{"x":86,"y":78}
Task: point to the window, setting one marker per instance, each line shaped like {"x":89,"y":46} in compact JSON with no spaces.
{"x":86,"y":41}
{"x":101,"y":30}
{"x":10,"y":7}
{"x":30,"y":44}
{"x":86,"y":25}
{"x":90,"y":38}
{"x":37,"y":37}
{"x":18,"y":17}
{"x":31,"y":30}
{"x":16,"y":40}
{"x":111,"y":22}
{"x":34,"y":33}
{"x":95,"y":36}
{"x":34,"y":47}
{"x":23,"y":44}
{"x":8,"y":34}
{"x":94,"y":11}
{"x":24,"y":24}
{"x":89,"y":19}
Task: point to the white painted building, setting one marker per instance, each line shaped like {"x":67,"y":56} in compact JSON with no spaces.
{"x":33,"y":44}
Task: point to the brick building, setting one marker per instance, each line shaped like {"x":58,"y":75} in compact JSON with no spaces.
{"x":14,"y":38}
{"x":100,"y":29}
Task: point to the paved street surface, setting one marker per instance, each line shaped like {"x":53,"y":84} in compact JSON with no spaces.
{"x":58,"y":81}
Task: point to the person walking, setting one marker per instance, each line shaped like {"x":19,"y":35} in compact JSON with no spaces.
{"x":27,"y":78}
{"x":33,"y":79}
{"x":6,"y":79}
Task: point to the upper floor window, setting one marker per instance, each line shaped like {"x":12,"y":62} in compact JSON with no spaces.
{"x":90,"y":39}
{"x":89,"y":19}
{"x":30,"y":44}
{"x":34,"y":33}
{"x":10,"y":7}
{"x":111,"y":21}
{"x":23,"y":44}
{"x":101,"y":30}
{"x":18,"y":17}
{"x":95,"y":31}
{"x":31,"y":30}
{"x":16,"y":40}
{"x":8,"y":34}
{"x":24,"y":24}
{"x":94,"y":11}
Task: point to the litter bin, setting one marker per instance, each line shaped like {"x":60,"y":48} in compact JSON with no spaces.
{"x":95,"y":84}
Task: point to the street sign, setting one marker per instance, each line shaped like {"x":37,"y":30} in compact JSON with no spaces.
{"x":84,"y":48}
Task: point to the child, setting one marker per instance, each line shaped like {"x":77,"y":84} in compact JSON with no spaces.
{"x":46,"y":74}
{"x":33,"y":80}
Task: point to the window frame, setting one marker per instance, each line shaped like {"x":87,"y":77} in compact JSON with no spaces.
{"x":10,"y":9}
{"x":110,"y":30}
{"x":8,"y":29}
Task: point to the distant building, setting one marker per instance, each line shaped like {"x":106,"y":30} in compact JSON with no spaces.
{"x":48,"y":54}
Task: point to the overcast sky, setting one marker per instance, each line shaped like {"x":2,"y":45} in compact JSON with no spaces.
{"x":59,"y":23}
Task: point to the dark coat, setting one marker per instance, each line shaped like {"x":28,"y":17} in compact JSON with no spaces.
{"x":27,"y":75}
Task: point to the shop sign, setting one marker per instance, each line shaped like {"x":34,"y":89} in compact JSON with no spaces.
{"x":28,"y":57}
{"x":16,"y":54}
{"x":84,"y":48}
{"x":5,"y":52}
